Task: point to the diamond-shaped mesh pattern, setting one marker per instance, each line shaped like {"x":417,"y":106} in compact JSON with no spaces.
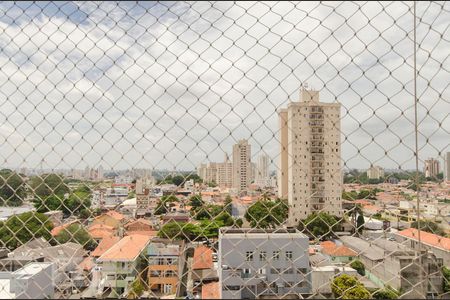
{"x":224,"y":150}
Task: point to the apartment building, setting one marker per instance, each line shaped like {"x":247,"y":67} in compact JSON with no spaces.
{"x":282,"y":176}
{"x":120,"y":263}
{"x":164,"y":266}
{"x":262,"y":178}
{"x":242,"y":167}
{"x":431,"y":167}
{"x":224,"y":173}
{"x":255,"y":263}
{"x":375,"y":172}
{"x":447,"y":166}
{"x":313,"y":156}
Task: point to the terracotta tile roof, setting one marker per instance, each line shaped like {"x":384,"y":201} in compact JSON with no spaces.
{"x":115,"y":215}
{"x":211,"y":291}
{"x":151,"y":233}
{"x":127,"y":249}
{"x":427,"y":238}
{"x":139,"y":222}
{"x":100,"y":231}
{"x":87,"y":264}
{"x":105,"y":244}
{"x":331,"y":249}
{"x":202,"y":258}
{"x":55,"y":231}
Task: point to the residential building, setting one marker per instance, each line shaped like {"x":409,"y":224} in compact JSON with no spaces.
{"x":388,"y":262}
{"x":224,"y":173}
{"x":33,"y":281}
{"x":115,"y":196}
{"x":262,"y":178}
{"x":100,"y":172}
{"x":203,"y":270}
{"x":431,"y":167}
{"x":121,"y":263}
{"x":337,"y":254}
{"x":164,"y":266}
{"x":375,"y":172}
{"x":242,"y":167}
{"x":140,"y":226}
{"x":447,"y":166}
{"x":282,"y":176}
{"x":314,"y":172}
{"x":439,"y":245}
{"x":278,"y":266}
{"x":111,"y":218}
{"x":144,"y":188}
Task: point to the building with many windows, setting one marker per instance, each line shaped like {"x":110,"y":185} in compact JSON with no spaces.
{"x":313,"y":156}
{"x":375,"y":172}
{"x":274,"y":263}
{"x":431,"y":167}
{"x":242,"y":167}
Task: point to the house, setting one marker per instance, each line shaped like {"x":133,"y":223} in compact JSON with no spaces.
{"x":338,"y":254}
{"x":175,"y":216}
{"x":322,"y":276}
{"x":164,"y":265}
{"x":140,"y":226}
{"x":389,"y":262}
{"x":100,"y":231}
{"x":66,"y":257}
{"x":211,"y":290}
{"x":33,"y":281}
{"x":56,"y":230}
{"x":439,"y":245}
{"x":203,"y":270}
{"x":121,"y":263}
{"x":105,"y":244}
{"x":111,"y":218}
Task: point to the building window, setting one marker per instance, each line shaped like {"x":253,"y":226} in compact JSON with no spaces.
{"x":249,"y":256}
{"x":288,"y":255}
{"x":246,"y":273}
{"x":276,"y":255}
{"x":301,"y":271}
{"x":262,"y":256}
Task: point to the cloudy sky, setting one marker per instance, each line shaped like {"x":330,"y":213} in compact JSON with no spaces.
{"x":171,"y":85}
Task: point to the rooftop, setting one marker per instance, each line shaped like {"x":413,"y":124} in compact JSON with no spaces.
{"x":127,"y":249}
{"x":232,"y":232}
{"x":211,"y":290}
{"x":427,"y":238}
{"x":202,"y":258}
{"x":105,"y":244}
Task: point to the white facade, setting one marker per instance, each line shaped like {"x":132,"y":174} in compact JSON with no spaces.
{"x":262,"y":178}
{"x":314,"y":157}
{"x":242,"y":167}
{"x":224,"y":173}
{"x":375,"y":172}
{"x":431,"y":167}
{"x":447,"y":166}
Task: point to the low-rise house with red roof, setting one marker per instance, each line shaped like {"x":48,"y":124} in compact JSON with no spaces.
{"x":58,"y":229}
{"x":120,"y":264}
{"x":105,"y":244}
{"x":338,"y":254}
{"x":437,"y":244}
{"x":203,"y":270}
{"x":111,"y":218}
{"x":100,"y":231}
{"x":141,"y":226}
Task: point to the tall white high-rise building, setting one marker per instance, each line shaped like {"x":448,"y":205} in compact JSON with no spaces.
{"x":282,"y":176}
{"x":242,"y":167}
{"x":314,"y":177}
{"x":262,"y":171}
{"x":375,"y":172}
{"x":431,"y":167}
{"x":100,"y":172}
{"x":224,"y":173}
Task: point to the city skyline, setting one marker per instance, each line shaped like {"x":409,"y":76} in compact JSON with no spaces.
{"x":173,"y":107}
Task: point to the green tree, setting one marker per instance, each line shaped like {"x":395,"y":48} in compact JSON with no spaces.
{"x":164,"y":203}
{"x":178,"y":180}
{"x":446,"y":279}
{"x":137,"y":289}
{"x":228,"y":205}
{"x":196,"y":201}
{"x":360,"y":223}
{"x":179,"y":231}
{"x":76,"y":233}
{"x":319,"y":225}
{"x":359,"y":267}
{"x":19,"y":229}
{"x":348,"y":287}
{"x":267,"y":213}
{"x":12,"y":188}
{"x":386,"y":293}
